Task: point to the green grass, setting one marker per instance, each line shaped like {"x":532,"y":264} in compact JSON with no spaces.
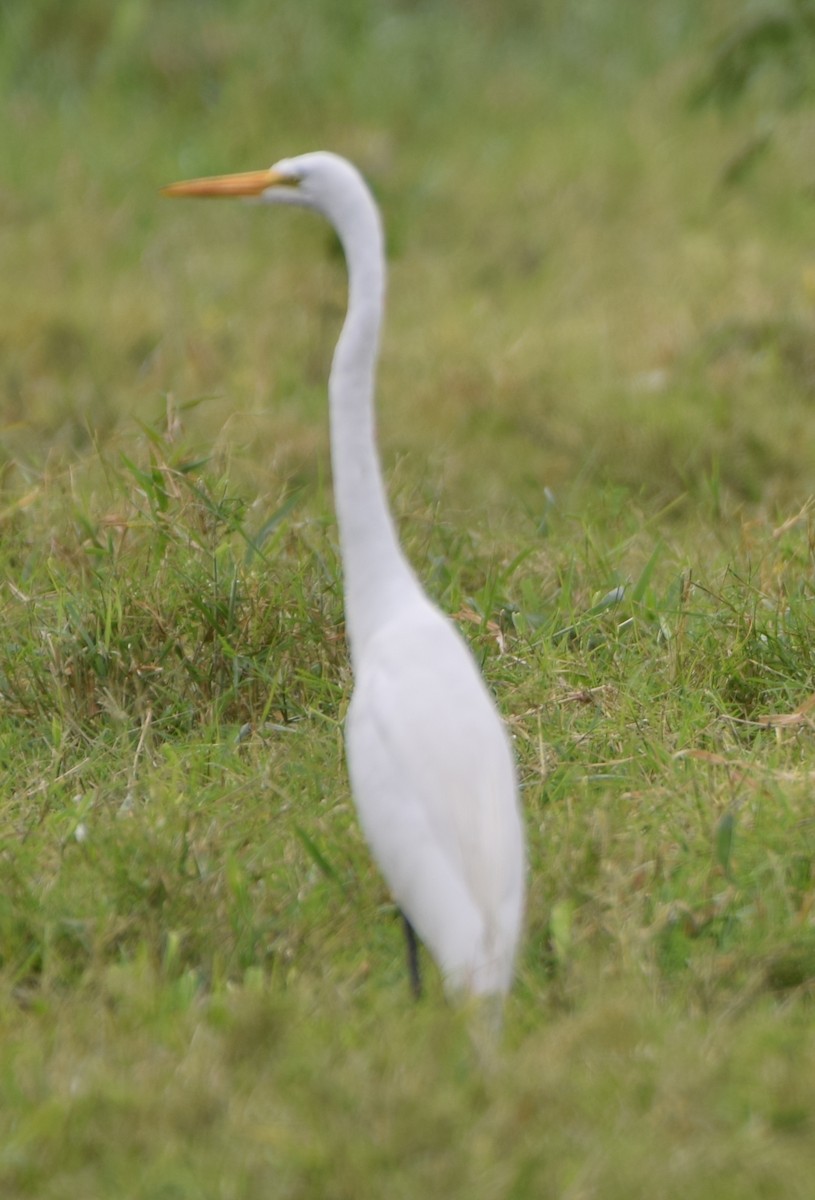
{"x":595,"y":415}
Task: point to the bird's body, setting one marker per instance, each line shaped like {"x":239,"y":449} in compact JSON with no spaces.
{"x":432,"y":772}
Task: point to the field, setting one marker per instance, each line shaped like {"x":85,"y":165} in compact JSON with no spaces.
{"x":595,"y":415}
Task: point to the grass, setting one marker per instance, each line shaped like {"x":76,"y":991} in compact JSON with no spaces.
{"x":595,"y":403}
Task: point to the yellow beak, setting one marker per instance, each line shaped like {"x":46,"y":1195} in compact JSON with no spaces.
{"x":247,"y":183}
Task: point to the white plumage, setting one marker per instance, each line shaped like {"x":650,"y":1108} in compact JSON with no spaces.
{"x":434,"y":783}
{"x":431,"y":768}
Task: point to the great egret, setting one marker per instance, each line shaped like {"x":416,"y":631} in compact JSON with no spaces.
{"x":431,"y":768}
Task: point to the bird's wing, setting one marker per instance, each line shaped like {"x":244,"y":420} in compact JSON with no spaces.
{"x":433,"y":776}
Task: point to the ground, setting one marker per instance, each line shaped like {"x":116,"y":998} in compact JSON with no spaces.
{"x":594,"y":409}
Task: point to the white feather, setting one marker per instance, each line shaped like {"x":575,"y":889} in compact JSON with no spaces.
{"x":434,"y":784}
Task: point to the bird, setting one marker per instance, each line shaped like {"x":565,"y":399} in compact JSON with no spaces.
{"x":430,"y":762}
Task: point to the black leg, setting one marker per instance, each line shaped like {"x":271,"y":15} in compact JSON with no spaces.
{"x":413,"y":958}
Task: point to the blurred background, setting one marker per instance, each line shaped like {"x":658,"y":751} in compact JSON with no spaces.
{"x":599,"y":216}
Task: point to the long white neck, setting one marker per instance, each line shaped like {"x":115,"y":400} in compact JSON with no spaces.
{"x":377,"y":577}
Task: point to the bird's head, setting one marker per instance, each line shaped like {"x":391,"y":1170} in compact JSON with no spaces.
{"x":320,"y":180}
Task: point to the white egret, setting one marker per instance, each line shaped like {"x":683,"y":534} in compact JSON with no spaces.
{"x":432,"y":772}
